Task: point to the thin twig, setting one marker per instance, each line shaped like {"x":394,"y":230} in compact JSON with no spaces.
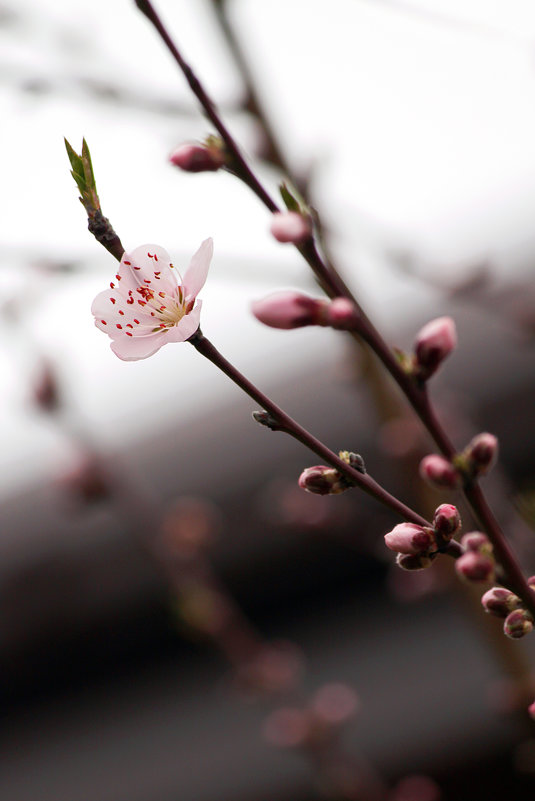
{"x":334,"y":286}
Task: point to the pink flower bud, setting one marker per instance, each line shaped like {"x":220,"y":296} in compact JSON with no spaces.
{"x":517,"y":624}
{"x":289,"y":310}
{"x":342,"y":314}
{"x":290,"y":226}
{"x":413,"y":561}
{"x":481,"y":453}
{"x":531,"y":582}
{"x":500,"y":601}
{"x":475,"y":566}
{"x":434,"y":342}
{"x":409,"y":538}
{"x":531,"y":710}
{"x":439,"y":472}
{"x":477,"y":541}
{"x":322,"y":480}
{"x":447,"y":520}
{"x":197,"y":158}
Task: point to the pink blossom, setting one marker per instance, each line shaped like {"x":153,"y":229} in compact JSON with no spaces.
{"x":149,"y":304}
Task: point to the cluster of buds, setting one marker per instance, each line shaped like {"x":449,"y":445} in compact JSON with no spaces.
{"x":501,"y":602}
{"x":323,"y":480}
{"x":290,"y":309}
{"x":208,"y":156}
{"x":434,"y":342}
{"x":318,"y":722}
{"x":475,"y":460}
{"x":477,"y":562}
{"x":416,"y":545}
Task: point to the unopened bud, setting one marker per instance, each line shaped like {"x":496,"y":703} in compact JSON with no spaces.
{"x":413,"y":561}
{"x":322,"y":480}
{"x":517,"y":624}
{"x":409,"y":538}
{"x":353,"y":459}
{"x":531,"y":710}
{"x":342,"y":314}
{"x":290,"y":226}
{"x":447,"y":520}
{"x":198,"y":158}
{"x":481,"y":454}
{"x":499,"y":601}
{"x":289,"y":310}
{"x":531,"y":582}
{"x":475,"y":566}
{"x":439,"y":472}
{"x":434,"y":342}
{"x":477,"y":541}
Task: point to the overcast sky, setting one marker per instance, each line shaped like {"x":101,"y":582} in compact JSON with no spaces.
{"x":418,"y":117}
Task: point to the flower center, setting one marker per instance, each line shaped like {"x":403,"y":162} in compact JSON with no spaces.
{"x":166,"y":308}
{"x":171,"y":312}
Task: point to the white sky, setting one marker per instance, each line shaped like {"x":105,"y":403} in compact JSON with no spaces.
{"x":419,"y":116}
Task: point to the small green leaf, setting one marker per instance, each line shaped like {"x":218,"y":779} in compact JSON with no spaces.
{"x":87,"y":166}
{"x":74,"y":158}
{"x":82,"y":172}
{"x":291,"y":203}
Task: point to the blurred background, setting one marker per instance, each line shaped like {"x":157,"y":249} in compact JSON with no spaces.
{"x":165,"y":588}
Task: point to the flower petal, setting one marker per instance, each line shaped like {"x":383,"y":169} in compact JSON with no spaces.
{"x":197,"y":271}
{"x":187,"y":325}
{"x":146,"y":265}
{"x":133,"y":348}
{"x":114,"y":315}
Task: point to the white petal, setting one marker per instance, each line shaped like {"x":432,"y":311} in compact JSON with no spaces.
{"x":133,"y":348}
{"x":114,"y":315}
{"x":197,"y":271}
{"x":145,"y":266}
